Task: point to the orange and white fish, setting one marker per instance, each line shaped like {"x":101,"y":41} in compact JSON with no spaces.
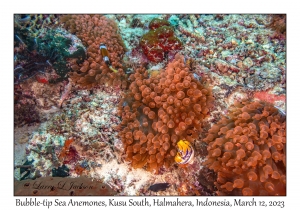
{"x":185,"y":152}
{"x":104,"y":53}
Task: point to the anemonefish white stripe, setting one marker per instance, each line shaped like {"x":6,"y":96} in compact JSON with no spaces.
{"x":106,"y":59}
{"x":102,"y":46}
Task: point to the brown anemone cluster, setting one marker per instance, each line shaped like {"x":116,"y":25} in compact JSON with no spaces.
{"x":247,"y":150}
{"x":160,"y":110}
{"x":93,"y":30}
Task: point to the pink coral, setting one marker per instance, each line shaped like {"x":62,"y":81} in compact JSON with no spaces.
{"x":268,"y":97}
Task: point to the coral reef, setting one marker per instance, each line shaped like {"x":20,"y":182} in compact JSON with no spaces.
{"x":247,"y":150}
{"x":94,"y":30}
{"x":21,"y":140}
{"x":159,"y":40}
{"x":26,"y":114}
{"x":220,"y":44}
{"x":32,"y":24}
{"x":36,"y":102}
{"x":160,"y":110}
{"x":28,"y":61}
{"x":142,"y":120}
{"x":278,"y":23}
{"x":74,"y":136}
{"x":46,"y":54}
{"x":268,"y":97}
{"x":62,"y":46}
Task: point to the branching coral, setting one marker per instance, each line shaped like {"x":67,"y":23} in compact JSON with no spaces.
{"x":159,"y":40}
{"x":247,"y":150}
{"x":93,"y":30}
{"x":159,"y":111}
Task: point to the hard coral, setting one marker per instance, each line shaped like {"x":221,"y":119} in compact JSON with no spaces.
{"x":247,"y":150}
{"x":93,"y":30}
{"x":32,"y":24}
{"x":159,"y":40}
{"x":159,"y":111}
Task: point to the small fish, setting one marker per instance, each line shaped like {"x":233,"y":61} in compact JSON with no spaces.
{"x":129,"y":71}
{"x":104,"y":53}
{"x":185,"y":152}
{"x":159,"y":187}
{"x":197,"y":77}
{"x":280,"y":110}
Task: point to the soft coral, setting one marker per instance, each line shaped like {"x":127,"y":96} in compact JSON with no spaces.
{"x":159,"y":40}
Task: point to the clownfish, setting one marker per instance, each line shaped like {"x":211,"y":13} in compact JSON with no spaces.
{"x":185,"y":152}
{"x":104,"y":53}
